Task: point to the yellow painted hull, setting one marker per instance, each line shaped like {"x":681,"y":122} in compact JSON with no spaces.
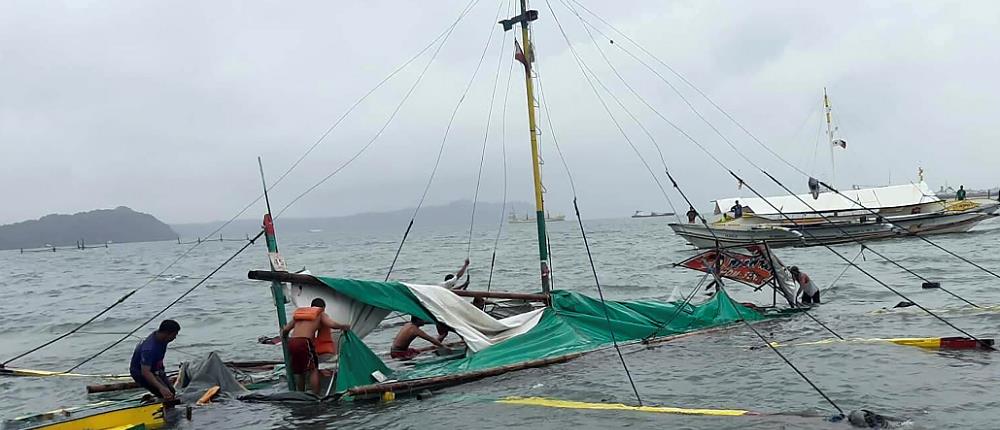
{"x":569,"y":404}
{"x":147,"y":416}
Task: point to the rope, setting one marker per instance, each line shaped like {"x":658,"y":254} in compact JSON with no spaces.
{"x":740,"y":125}
{"x":607,"y":316}
{"x":587,"y":72}
{"x":178,"y":299}
{"x":913,"y":234}
{"x":444,"y":141}
{"x":486,"y":137}
{"x":385,"y":125}
{"x":503,"y":149}
{"x":677,"y":311}
{"x":768,"y":343}
{"x":329,"y":130}
{"x":844,"y":232}
{"x":981,"y":343}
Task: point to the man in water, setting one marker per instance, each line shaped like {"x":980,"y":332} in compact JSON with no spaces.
{"x":737,"y":210}
{"x":147,"y":368}
{"x":960,"y":194}
{"x":401,"y":344}
{"x":301,"y":344}
{"x":808,"y":290}
{"x":692,"y":215}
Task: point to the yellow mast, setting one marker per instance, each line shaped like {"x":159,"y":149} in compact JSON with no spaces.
{"x":524,"y":18}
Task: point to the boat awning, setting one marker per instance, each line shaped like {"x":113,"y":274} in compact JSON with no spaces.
{"x":872,"y":198}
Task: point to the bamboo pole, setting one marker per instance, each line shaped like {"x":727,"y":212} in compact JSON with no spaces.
{"x":295,"y":278}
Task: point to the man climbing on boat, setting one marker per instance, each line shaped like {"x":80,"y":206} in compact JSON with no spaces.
{"x":808,"y":290}
{"x":450,"y":280}
{"x":401,"y":344}
{"x":451,"y":283}
{"x":147,"y":368}
{"x":308,"y":327}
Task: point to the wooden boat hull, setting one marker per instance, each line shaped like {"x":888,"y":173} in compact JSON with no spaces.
{"x":149,"y":416}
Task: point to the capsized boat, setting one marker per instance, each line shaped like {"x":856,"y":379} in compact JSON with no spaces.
{"x":568,"y":326}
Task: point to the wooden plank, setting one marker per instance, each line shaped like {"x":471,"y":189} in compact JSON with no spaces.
{"x":295,"y":278}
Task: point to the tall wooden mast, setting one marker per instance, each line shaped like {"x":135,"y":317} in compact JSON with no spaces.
{"x":526,"y":57}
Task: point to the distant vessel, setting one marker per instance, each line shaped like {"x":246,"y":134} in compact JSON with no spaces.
{"x":315,"y":230}
{"x":644,"y":214}
{"x":530,"y":218}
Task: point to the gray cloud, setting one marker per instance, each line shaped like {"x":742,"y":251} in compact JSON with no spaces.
{"x":164,"y":106}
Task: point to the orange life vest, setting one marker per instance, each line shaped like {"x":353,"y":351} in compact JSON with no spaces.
{"x":324,"y":337}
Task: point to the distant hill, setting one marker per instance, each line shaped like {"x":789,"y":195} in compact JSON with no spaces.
{"x":453,"y":214}
{"x":118,"y":225}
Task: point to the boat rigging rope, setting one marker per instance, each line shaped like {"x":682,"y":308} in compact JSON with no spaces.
{"x":677,"y":311}
{"x":731,"y":145}
{"x":444,"y":141}
{"x":177,"y":300}
{"x":841,"y":229}
{"x":486,"y":137}
{"x":914,"y":234}
{"x":984,"y":345}
{"x":722,"y":288}
{"x":503,"y":150}
{"x":600,"y":292}
{"x":583,"y":233}
{"x":585,"y":69}
{"x":732,"y":119}
{"x":444,"y":34}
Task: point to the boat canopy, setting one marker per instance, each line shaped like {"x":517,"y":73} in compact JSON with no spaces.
{"x":573,"y":323}
{"x":872,"y":198}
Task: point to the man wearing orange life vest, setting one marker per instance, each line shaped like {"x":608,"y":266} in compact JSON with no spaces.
{"x":310,"y":331}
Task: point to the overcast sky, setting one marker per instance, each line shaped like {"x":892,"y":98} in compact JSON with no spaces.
{"x":164,"y":106}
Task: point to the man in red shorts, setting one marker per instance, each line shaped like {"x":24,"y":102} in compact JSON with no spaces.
{"x":301,"y":346}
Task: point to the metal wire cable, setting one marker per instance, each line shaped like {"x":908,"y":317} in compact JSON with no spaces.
{"x":444,"y":141}
{"x":177,"y":300}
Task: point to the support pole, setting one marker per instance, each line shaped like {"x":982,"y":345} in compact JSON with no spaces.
{"x":277,"y":264}
{"x":526,"y":57}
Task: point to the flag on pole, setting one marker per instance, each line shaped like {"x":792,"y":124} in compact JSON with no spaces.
{"x":519,"y":54}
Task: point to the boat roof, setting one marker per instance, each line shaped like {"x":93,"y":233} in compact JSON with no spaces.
{"x":872,"y":198}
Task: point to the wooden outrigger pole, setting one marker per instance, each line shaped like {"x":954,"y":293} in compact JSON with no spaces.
{"x":277,"y":265}
{"x":526,"y":57}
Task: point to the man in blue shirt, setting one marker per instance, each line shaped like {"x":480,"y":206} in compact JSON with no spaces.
{"x":147,"y":361}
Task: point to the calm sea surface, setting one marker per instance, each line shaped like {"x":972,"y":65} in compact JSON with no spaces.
{"x":45,"y":294}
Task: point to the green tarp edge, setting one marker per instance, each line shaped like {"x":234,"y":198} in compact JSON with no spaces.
{"x":392,"y":296}
{"x":357,"y":363}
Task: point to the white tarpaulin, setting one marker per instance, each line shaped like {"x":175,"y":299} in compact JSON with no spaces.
{"x":362,"y":318}
{"x":872,"y":198}
{"x":477,"y":328}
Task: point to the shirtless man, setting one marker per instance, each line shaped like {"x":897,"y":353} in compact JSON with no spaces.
{"x":401,"y":344}
{"x":301,"y":344}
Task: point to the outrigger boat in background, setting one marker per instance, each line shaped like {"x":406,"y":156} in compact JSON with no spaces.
{"x":530,"y":218}
{"x":825,"y":218}
{"x":644,"y":214}
{"x":902,"y":210}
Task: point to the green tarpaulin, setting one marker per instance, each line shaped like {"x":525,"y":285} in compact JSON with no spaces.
{"x":573,"y":323}
{"x":357,"y":363}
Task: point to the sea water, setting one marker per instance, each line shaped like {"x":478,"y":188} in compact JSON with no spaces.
{"x":45,"y":294}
